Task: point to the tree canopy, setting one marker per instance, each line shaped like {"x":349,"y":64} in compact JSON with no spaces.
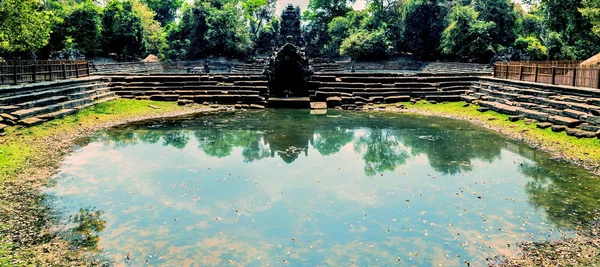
{"x":466,"y":30}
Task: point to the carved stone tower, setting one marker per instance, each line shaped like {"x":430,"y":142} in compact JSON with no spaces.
{"x":290,"y":26}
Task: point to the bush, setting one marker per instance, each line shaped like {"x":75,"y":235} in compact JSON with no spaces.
{"x":532,"y":46}
{"x":366,"y":44}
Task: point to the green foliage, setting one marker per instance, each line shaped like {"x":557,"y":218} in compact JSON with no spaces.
{"x":557,"y":48}
{"x":24,"y":26}
{"x":532,"y":46}
{"x":591,"y":11}
{"x":123,"y":30}
{"x":467,"y":37}
{"x":423,"y":26}
{"x":363,"y":44}
{"x":83,"y":27}
{"x":165,"y":10}
{"x":502,"y":13}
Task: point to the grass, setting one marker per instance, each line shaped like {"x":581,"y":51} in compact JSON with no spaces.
{"x":582,"y":151}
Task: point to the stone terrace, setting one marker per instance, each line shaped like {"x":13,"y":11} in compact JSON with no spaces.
{"x":563,"y":108}
{"x":33,"y":104}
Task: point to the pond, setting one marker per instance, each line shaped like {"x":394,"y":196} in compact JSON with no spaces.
{"x":279,"y":187}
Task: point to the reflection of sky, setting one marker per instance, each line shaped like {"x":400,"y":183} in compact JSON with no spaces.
{"x":180,"y":207}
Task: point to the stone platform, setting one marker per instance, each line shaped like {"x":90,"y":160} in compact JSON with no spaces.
{"x":290,"y":102}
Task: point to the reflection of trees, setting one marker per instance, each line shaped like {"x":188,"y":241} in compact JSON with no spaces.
{"x":451,"y":151}
{"x":329,"y":142}
{"x":176,"y":139}
{"x":87,"y":227}
{"x":382,"y":151}
{"x":568,"y":195}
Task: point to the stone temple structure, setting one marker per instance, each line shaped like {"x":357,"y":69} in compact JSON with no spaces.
{"x":288,"y":72}
{"x":290,"y":26}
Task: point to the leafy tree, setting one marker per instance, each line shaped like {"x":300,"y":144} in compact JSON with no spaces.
{"x":318,"y":15}
{"x":154,"y":35}
{"x":591,"y":11}
{"x":123,"y":30}
{"x":227,"y":32}
{"x":165,"y":10}
{"x":83,"y":27}
{"x":467,"y":37}
{"x":423,"y":26}
{"x":24,"y":26}
{"x":364,"y":44}
{"x":532,"y":46}
{"x":502,"y":13}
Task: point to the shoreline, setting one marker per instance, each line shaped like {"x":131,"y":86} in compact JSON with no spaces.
{"x":517,"y":131}
{"x":26,"y":221}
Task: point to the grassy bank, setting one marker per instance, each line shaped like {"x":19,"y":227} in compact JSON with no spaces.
{"x":29,"y":157}
{"x":584,"y":152}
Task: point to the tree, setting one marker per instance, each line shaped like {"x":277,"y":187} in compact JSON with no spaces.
{"x":24,"y":26}
{"x":318,"y":15}
{"x":153,"y":33}
{"x":532,"y":46}
{"x":366,"y":44}
{"x":591,"y":11}
{"x":123,"y":30}
{"x":467,"y":37}
{"x":83,"y":28}
{"x":502,"y":13}
{"x":423,"y":26}
{"x":165,"y":10}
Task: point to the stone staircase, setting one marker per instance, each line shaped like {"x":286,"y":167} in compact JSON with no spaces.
{"x":248,"y":68}
{"x":455,"y":67}
{"x":353,"y":90}
{"x":33,"y":104}
{"x":198,"y":88}
{"x":571,"y":109}
{"x":126,"y":67}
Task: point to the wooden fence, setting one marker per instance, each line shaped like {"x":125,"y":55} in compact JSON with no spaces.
{"x":559,"y":73}
{"x":16,"y":72}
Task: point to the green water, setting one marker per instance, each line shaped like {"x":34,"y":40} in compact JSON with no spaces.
{"x":284,"y":187}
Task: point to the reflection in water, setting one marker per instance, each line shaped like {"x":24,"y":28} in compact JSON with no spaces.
{"x":274,"y":187}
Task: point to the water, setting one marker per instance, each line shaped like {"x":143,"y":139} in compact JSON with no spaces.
{"x":281,"y":187}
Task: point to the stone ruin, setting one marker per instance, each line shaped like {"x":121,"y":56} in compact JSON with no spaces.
{"x":288,"y":72}
{"x":290,"y":26}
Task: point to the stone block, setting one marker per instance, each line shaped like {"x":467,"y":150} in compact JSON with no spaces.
{"x":558,"y":128}
{"x":334,"y":99}
{"x":30,"y":122}
{"x":560,"y":120}
{"x":574,"y":114}
{"x":589,"y":127}
{"x":318,"y":105}
{"x":531,"y":114}
{"x":482,"y":109}
{"x":376,"y":99}
{"x":255,"y":106}
{"x":544,"y":125}
{"x":515,"y":118}
{"x":396,"y":99}
{"x":580,"y":134}
{"x":593,"y":119}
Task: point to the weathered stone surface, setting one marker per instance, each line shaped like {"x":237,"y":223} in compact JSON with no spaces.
{"x":482,"y":109}
{"x":515,"y":118}
{"x":318,"y":105}
{"x":531,"y":114}
{"x":29,"y":122}
{"x":468,"y":98}
{"x":183,"y":102}
{"x":396,"y":99}
{"x":237,"y":106}
{"x":466,"y":105}
{"x":376,"y":99}
{"x":8,"y":109}
{"x":593,"y":119}
{"x":530,"y":121}
{"x":8,"y":117}
{"x":58,"y":114}
{"x":544,"y":125}
{"x":256,"y":106}
{"x":2,"y":127}
{"x":432,"y":102}
{"x":579,"y":133}
{"x":349,"y":107}
{"x":172,"y":98}
{"x":334,"y":99}
{"x":558,"y":128}
{"x":589,"y":127}
{"x":571,"y":113}
{"x":560,"y":120}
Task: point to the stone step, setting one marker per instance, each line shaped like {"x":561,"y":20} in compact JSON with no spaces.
{"x":444,"y":98}
{"x":57,"y":114}
{"x":30,"y":122}
{"x":574,"y":114}
{"x":566,"y":121}
{"x":43,"y":102}
{"x":49,"y":92}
